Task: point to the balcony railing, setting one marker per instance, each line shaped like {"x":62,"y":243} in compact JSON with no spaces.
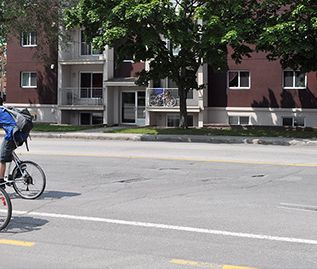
{"x":168,"y":98}
{"x":81,"y":96}
{"x":80,"y":52}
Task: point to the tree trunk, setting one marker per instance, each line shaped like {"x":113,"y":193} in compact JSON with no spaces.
{"x":182,"y":93}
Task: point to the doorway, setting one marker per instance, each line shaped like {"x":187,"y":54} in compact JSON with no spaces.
{"x":133,"y":107}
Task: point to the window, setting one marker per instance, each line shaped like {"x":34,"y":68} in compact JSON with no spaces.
{"x":239,"y":79}
{"x":294,"y":121}
{"x":91,"y":85}
{"x":294,"y":80}
{"x":28,"y":80}
{"x":91,"y":118}
{"x":87,"y":48}
{"x":239,"y":120}
{"x":173,"y":120}
{"x":29,"y":39}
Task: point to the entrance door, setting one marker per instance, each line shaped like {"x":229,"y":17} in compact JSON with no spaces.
{"x":133,"y":107}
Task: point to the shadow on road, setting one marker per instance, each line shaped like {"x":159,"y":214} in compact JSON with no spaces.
{"x":52,"y":195}
{"x":24,"y":224}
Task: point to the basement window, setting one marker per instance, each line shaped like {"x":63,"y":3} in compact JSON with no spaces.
{"x":239,"y":120}
{"x":294,"y":121}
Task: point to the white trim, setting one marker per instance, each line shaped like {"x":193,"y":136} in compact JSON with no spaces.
{"x":29,"y":80}
{"x":264,"y":109}
{"x":294,"y":80}
{"x":29,"y":38}
{"x":91,"y":86}
{"x":239,"y":119}
{"x":239,"y":87}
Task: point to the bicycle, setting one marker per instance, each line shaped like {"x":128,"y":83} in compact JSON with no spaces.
{"x":5,"y":208}
{"x":27,"y":178}
{"x":163,"y":99}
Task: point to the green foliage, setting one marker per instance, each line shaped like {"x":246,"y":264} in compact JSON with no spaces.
{"x":247,"y":131}
{"x":47,"y":127}
{"x":17,"y":16}
{"x":169,"y":34}
{"x":289,"y":32}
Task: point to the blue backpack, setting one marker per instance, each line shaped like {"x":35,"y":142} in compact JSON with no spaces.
{"x":24,"y":124}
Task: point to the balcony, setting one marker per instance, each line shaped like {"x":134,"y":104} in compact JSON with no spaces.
{"x":166,"y":99}
{"x":80,"y":53}
{"x":90,"y":98}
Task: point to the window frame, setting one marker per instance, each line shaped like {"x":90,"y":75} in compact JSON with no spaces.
{"x":239,"y":79}
{"x":29,"y":39}
{"x":176,"y":117}
{"x":294,"y":80}
{"x":239,"y":120}
{"x":90,"y":45}
{"x":90,"y":90}
{"x":29,"y":86}
{"x":293,"y":121}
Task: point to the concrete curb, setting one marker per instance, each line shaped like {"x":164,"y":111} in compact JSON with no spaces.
{"x":179,"y":138}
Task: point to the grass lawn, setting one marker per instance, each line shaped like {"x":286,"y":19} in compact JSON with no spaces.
{"x":47,"y":127}
{"x":229,"y":131}
{"x":255,"y":131}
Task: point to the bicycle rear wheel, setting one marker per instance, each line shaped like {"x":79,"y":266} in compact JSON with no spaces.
{"x":29,"y":180}
{"x":5,"y":209}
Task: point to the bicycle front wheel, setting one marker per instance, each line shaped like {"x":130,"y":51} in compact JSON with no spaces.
{"x":29,"y":180}
{"x":5,"y":209}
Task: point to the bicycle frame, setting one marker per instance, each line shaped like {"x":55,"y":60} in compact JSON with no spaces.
{"x":17,"y":162}
{"x":16,"y":159}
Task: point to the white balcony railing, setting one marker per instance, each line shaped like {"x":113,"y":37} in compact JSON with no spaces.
{"x":81,"y":96}
{"x":168,"y":98}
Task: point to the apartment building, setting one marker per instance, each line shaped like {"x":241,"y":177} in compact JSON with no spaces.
{"x":83,"y":86}
{"x":31,"y":75}
{"x":259,"y":92}
{"x":94,"y":89}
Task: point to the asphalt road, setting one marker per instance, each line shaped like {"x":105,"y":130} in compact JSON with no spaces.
{"x":119,"y":204}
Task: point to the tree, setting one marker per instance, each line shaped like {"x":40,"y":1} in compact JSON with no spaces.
{"x":153,"y":30}
{"x":17,"y":16}
{"x":289,"y":32}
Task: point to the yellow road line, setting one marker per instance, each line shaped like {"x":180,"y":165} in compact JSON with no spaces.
{"x":102,"y":155}
{"x":236,"y":267}
{"x":16,"y":243}
{"x":207,"y":265}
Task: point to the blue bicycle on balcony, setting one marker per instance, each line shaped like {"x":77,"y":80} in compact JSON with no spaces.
{"x":162,"y":97}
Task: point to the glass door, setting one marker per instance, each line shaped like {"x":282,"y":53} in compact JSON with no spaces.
{"x":128,"y":107}
{"x":140,"y":117}
{"x":133,"y":107}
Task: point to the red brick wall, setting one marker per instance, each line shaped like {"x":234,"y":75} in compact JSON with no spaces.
{"x":266,"y":87}
{"x":128,"y":69}
{"x":38,"y":59}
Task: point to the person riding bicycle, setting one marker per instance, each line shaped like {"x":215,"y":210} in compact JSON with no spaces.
{"x":8,"y":124}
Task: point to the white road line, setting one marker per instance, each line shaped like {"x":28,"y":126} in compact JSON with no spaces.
{"x":299,"y":205}
{"x":289,"y":206}
{"x":171,"y":227}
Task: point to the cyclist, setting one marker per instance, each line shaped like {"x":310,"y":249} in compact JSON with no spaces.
{"x":7,"y":123}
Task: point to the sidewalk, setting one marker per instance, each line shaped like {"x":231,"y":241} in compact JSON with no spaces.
{"x":97,"y":134}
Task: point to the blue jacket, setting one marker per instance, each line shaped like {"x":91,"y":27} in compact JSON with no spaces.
{"x":7,"y":122}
